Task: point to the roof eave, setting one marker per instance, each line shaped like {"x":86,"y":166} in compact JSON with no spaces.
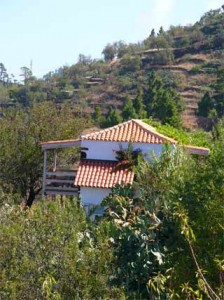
{"x":197,"y":150}
{"x":60,"y":144}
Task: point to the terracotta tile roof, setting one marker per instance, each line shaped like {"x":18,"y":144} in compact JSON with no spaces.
{"x":102,"y":174}
{"x":135,"y":131}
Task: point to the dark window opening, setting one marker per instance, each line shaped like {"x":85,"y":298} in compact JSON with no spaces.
{"x":83,"y":155}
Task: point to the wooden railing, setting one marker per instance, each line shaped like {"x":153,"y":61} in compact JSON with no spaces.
{"x":60,"y":183}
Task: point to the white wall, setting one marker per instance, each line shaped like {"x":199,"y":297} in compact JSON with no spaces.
{"x":104,"y":150}
{"x":93,"y":195}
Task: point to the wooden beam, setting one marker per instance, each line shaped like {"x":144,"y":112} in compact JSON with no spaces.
{"x":60,"y":144}
{"x":44,"y":172}
{"x":61,"y":173}
{"x":52,"y":188}
{"x":48,"y":181}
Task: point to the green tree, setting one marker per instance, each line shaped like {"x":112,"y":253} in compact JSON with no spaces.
{"x":219,"y":93}
{"x":205,"y":105}
{"x":4,"y":95}
{"x":161,"y":42}
{"x":122,"y":49}
{"x":109,"y":52}
{"x":128,"y":111}
{"x":153,"y":92}
{"x":19,"y":94}
{"x":163,"y":57}
{"x":186,"y":197}
{"x":112,"y":118}
{"x":133,"y":230}
{"x":3,"y":73}
{"x":161,"y":31}
{"x":160,"y":102}
{"x":152,"y":34}
{"x":97,"y":115}
{"x":84,"y":60}
{"x":130,"y":64}
{"x":26,"y":74}
{"x":21,"y":157}
{"x":213,"y":105}
{"x":139,"y":105}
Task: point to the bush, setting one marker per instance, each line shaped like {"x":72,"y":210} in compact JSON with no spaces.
{"x":47,"y":252}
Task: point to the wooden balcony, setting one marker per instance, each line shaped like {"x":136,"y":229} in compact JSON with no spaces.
{"x":59,"y":175}
{"x":60,"y":182}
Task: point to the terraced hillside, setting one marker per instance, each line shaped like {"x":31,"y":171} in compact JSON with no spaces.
{"x":187,"y":58}
{"x":191,"y":75}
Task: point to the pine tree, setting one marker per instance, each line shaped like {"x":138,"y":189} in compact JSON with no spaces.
{"x":219,"y":93}
{"x":160,"y":102}
{"x":152,"y":93}
{"x":213,"y":105}
{"x":152,"y":34}
{"x":113,"y":118}
{"x":161,"y":31}
{"x":205,"y":105}
{"x":97,"y":115}
{"x":128,"y":111}
{"x":177,"y":99}
{"x":139,"y":106}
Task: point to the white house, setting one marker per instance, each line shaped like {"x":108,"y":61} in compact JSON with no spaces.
{"x":97,"y":172}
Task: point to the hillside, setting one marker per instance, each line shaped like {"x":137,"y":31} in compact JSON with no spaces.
{"x":187,"y":59}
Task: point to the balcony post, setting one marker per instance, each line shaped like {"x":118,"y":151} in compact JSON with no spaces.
{"x":55,"y":161}
{"x":44,"y":173}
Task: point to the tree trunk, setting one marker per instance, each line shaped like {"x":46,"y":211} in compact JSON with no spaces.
{"x":31,"y":197}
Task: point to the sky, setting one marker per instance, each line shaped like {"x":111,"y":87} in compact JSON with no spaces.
{"x":52,"y":33}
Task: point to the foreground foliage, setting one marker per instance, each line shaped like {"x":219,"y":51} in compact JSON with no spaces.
{"x":48,"y":252}
{"x":160,"y":239}
{"x":169,"y":240}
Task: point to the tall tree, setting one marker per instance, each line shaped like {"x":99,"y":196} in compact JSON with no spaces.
{"x":3,"y":73}
{"x":21,"y":132}
{"x":161,"y":31}
{"x":219,"y":93}
{"x":139,"y":105}
{"x":160,"y":102}
{"x":152,"y":34}
{"x":205,"y":105}
{"x":98,"y":116}
{"x":213,"y":104}
{"x":128,"y":111}
{"x":26,"y":74}
{"x":112,"y":118}
{"x":109,"y":52}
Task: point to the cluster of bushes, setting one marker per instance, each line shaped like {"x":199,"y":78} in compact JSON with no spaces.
{"x":49,"y":252}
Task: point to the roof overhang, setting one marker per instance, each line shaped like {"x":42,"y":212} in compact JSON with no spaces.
{"x":196,"y":150}
{"x":60,"y":144}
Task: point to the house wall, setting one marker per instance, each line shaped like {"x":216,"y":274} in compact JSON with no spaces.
{"x":106,"y":150}
{"x":93,"y":195}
